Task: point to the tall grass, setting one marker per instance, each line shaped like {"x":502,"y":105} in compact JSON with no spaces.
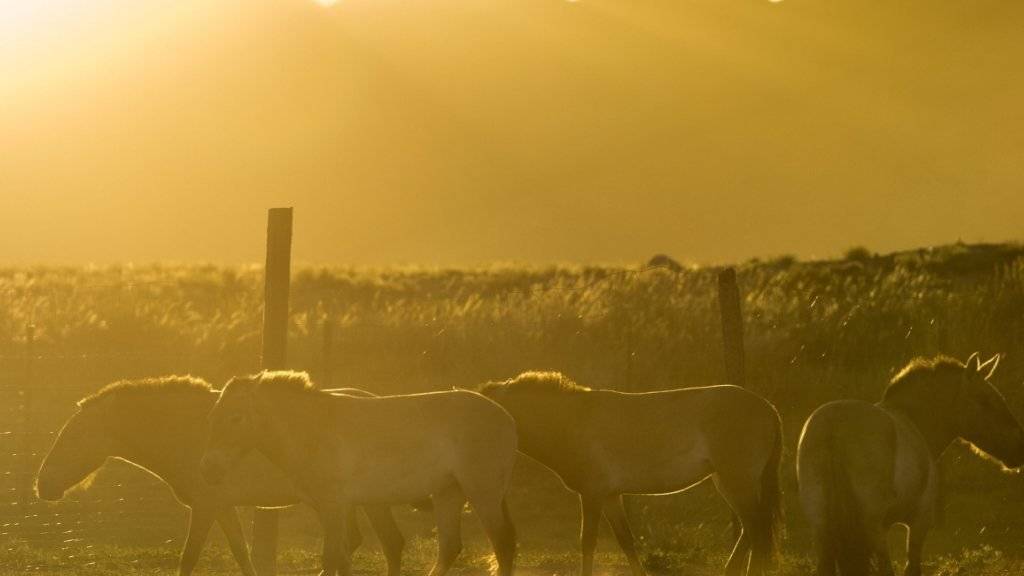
{"x":815,"y":331}
{"x":626,"y":327}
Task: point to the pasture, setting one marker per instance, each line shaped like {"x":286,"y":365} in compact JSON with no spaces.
{"x":815,"y":331}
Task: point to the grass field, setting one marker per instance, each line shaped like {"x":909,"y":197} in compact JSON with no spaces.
{"x":130,"y":561}
{"x":815,"y":331}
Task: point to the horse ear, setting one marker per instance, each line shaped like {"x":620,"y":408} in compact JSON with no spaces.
{"x":994,"y":361}
{"x":974,"y":362}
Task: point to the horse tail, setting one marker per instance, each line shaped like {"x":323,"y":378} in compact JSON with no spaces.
{"x":767,"y":528}
{"x":505,"y":546}
{"x":509,"y":525}
{"x":844,"y":535}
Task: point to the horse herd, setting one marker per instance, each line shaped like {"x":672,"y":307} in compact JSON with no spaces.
{"x":273,"y":439}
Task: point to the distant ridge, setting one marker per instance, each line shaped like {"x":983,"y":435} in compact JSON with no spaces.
{"x":945,"y":260}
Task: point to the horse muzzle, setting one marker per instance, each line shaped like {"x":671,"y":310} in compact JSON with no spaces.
{"x":49,"y":492}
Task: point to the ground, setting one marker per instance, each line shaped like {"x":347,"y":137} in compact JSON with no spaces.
{"x":162,"y":561}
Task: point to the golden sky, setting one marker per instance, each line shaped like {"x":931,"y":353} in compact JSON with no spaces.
{"x":459,"y":132}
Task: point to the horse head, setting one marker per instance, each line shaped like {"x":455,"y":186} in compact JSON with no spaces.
{"x":81,"y":447}
{"x":232,"y":429}
{"x":984,"y":418}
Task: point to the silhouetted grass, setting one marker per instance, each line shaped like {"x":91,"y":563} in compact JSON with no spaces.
{"x":815,"y":331}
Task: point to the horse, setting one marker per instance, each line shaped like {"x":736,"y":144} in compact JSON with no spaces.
{"x":603,"y":444}
{"x":340,"y":451}
{"x":864,"y":467}
{"x":158,"y":424}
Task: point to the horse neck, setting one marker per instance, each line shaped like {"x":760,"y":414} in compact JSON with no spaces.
{"x":296,"y":423}
{"x":161,"y":434}
{"x":547,"y":423}
{"x":933,"y":420}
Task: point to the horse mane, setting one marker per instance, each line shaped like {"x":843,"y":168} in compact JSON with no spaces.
{"x":147,"y":387}
{"x":279,"y":380}
{"x":536,"y":382}
{"x":163,"y":415}
{"x":910,"y":376}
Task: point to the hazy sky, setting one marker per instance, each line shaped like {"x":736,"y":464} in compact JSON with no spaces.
{"x":468,"y":131}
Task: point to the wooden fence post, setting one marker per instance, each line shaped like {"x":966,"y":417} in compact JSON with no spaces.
{"x":630,"y":384}
{"x":275,"y":353}
{"x":28,"y":425}
{"x":327,"y":368}
{"x":732,"y":327}
{"x":629,"y":380}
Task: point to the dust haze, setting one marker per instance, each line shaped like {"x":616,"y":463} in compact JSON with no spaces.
{"x":455,"y":133}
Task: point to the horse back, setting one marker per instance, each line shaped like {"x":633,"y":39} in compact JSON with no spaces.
{"x":358,"y":392}
{"x":409,"y":445}
{"x":707,"y":415}
{"x":665,"y":441}
{"x":453,"y":414}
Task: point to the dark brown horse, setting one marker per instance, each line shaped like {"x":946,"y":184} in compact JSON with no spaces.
{"x":158,"y":425}
{"x":863,"y":467}
{"x":604,"y":444}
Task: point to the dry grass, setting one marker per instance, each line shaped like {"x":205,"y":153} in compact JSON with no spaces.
{"x":815,"y":331}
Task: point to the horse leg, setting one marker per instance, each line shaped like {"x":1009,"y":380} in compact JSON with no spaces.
{"x":343,"y":562}
{"x":448,"y":503}
{"x":812,"y":501}
{"x":492,"y":511}
{"x":353,"y":537}
{"x":590,"y":510}
{"x":200,"y":519}
{"x":330,"y":539}
{"x":737,"y":526}
{"x":880,"y":549}
{"x":915,"y":546}
{"x":232,"y":527}
{"x":391,"y":540}
{"x":826,"y":556}
{"x":743,"y":506}
{"x":615,"y":513}
{"x":760,"y":548}
{"x":739,"y":558}
{"x":334,"y":519}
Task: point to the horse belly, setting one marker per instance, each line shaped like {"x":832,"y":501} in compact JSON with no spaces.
{"x":397,"y":481}
{"x":267,"y":495}
{"x":666,"y":472}
{"x":666,"y":485}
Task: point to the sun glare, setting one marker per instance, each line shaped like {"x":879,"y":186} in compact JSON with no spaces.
{"x":326,"y":3}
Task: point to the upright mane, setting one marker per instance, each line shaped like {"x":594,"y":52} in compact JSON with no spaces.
{"x":919,"y":369}
{"x":272,"y":380}
{"x":536,"y":382}
{"x":286,"y":380}
{"x":147,"y":387}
